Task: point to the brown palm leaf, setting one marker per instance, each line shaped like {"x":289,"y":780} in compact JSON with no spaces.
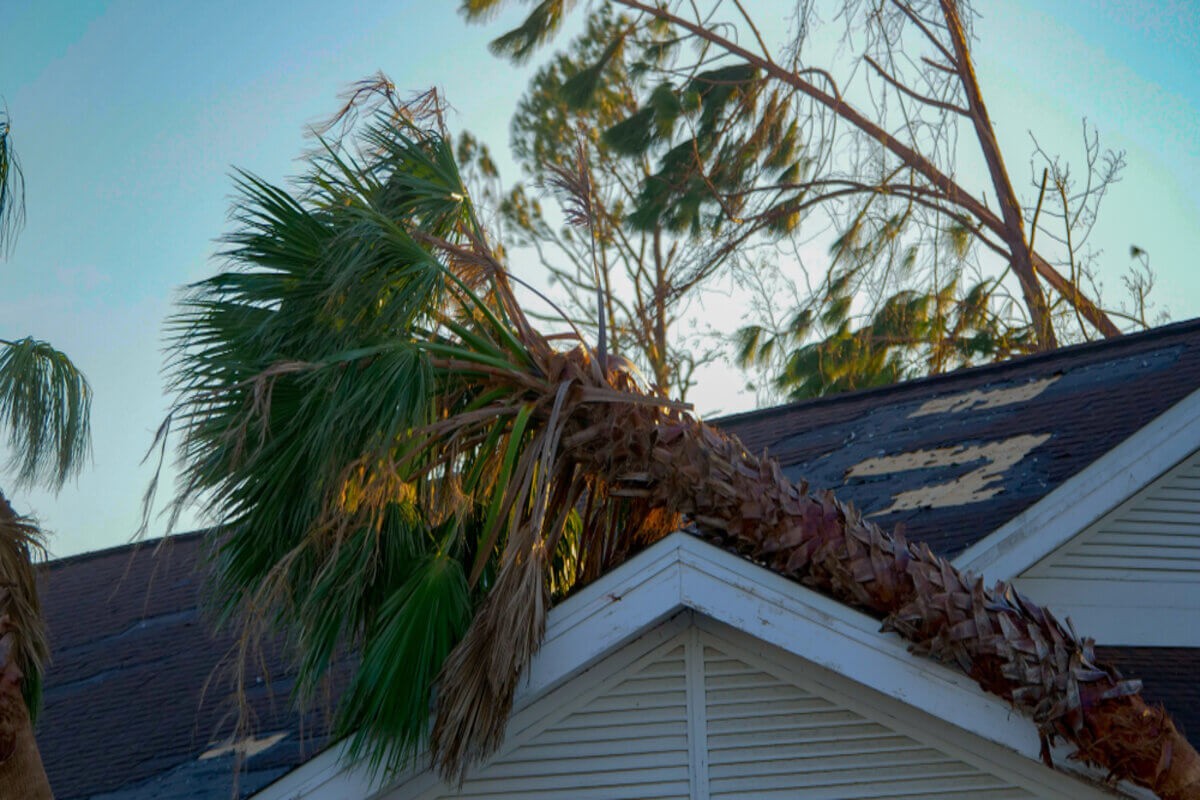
{"x":23,"y":652}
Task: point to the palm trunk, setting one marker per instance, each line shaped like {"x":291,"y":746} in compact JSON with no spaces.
{"x":652,"y":457}
{"x":22,"y":775}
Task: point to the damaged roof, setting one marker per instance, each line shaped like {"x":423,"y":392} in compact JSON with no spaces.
{"x":138,"y":699}
{"x":953,"y":457}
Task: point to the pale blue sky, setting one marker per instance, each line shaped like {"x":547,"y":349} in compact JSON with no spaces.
{"x":129,"y":115}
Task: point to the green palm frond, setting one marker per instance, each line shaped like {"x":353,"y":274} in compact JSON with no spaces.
{"x":379,"y":432}
{"x":12,"y":187}
{"x":45,"y":403}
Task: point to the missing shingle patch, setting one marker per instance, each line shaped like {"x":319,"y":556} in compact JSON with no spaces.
{"x":974,"y":487}
{"x":244,"y":747}
{"x":976,"y":399}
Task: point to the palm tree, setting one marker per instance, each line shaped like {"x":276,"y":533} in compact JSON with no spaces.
{"x":399,"y":461}
{"x":44,"y":405}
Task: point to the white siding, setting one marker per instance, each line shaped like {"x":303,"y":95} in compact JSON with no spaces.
{"x":630,"y":742}
{"x":1154,"y":537}
{"x":1133,"y":577}
{"x":703,"y":711}
{"x":771,"y":739}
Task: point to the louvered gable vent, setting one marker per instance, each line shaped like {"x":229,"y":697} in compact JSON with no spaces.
{"x":707,"y":712}
{"x":770,"y":739}
{"x":629,"y":742}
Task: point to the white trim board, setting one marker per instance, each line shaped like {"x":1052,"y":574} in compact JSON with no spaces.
{"x":1089,"y":495}
{"x":1127,"y":614}
{"x":683,"y":573}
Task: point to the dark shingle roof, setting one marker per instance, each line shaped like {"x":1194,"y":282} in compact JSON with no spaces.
{"x":1169,"y":677}
{"x":128,"y":715}
{"x":917,"y":448}
{"x":137,"y":694}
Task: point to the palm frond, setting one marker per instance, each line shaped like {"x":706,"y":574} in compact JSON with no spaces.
{"x":315,"y":379}
{"x":23,"y":643}
{"x":45,"y":403}
{"x":12,"y":187}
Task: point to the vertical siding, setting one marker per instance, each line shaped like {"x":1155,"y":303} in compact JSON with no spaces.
{"x":771,"y":739}
{"x":630,"y":742}
{"x":1155,"y":537}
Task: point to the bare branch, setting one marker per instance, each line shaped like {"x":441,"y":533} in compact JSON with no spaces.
{"x":915,"y":95}
{"x":916,"y":20}
{"x":951,"y":191}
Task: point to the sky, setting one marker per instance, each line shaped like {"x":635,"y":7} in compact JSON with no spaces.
{"x":129,"y":116}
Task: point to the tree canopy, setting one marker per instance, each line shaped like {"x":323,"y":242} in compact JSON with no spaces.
{"x":881,"y":150}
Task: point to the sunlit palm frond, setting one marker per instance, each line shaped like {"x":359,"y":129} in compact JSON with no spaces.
{"x":334,"y":414}
{"x":45,"y":403}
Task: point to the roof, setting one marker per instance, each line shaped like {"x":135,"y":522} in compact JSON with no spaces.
{"x":954,"y":457}
{"x":1168,"y":676}
{"x":138,"y":697}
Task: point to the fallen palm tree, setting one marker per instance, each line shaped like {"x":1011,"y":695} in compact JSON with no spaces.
{"x":399,"y":460}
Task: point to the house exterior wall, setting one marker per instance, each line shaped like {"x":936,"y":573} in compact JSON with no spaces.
{"x":630,"y":740}
{"x":769,"y":738}
{"x":1133,"y":576}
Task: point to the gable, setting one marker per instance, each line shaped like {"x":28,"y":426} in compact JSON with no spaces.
{"x":598,"y":635}
{"x":1133,"y":576}
{"x":626,"y":736}
{"x":713,"y":713}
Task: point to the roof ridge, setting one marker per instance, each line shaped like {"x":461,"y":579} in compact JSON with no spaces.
{"x":1070,"y":351}
{"x":127,"y":547}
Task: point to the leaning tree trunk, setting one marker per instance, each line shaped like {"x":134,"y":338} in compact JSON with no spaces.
{"x":658,"y":458}
{"x":22,"y":775}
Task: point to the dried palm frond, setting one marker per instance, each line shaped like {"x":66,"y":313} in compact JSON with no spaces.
{"x":573,"y":184}
{"x":23,"y":648}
